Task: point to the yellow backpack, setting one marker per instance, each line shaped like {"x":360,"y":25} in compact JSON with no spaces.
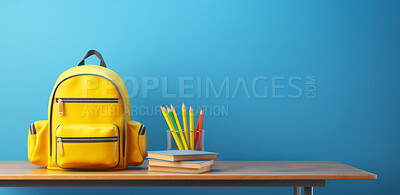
{"x":88,"y":124}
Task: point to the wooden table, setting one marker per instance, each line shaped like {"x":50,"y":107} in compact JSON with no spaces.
{"x":297,"y":174}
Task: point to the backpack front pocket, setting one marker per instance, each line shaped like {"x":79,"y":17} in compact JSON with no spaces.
{"x":85,"y":146}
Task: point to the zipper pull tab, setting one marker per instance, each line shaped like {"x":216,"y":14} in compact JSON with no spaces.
{"x":60,"y":107}
{"x":60,"y":148}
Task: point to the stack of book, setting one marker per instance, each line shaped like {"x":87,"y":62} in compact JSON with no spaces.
{"x":181,"y":161}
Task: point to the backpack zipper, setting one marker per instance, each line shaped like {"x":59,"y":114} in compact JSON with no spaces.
{"x":61,"y":102}
{"x":60,"y":147}
{"x":32,"y":129}
{"x":60,"y":107}
{"x":87,"y":139}
{"x":61,"y":140}
{"x":88,"y":100}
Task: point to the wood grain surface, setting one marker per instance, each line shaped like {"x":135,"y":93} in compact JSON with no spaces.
{"x":221,"y":170}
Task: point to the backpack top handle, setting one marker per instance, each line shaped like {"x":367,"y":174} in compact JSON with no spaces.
{"x":90,"y":53}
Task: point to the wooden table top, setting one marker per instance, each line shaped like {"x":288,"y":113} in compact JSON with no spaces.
{"x":221,"y":170}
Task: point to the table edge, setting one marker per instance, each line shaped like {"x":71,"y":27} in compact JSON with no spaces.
{"x":192,"y":177}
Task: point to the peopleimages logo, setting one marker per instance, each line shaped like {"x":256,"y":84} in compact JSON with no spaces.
{"x":187,"y":88}
{"x":190,"y":87}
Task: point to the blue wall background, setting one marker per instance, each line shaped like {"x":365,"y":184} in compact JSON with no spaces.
{"x":352,"y":47}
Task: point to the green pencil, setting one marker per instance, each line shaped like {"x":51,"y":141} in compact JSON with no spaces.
{"x":171,"y":116}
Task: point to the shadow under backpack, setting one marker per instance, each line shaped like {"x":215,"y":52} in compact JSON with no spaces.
{"x":88,"y":124}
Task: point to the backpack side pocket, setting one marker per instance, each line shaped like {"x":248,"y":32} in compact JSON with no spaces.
{"x":137,"y":143}
{"x":37,"y":142}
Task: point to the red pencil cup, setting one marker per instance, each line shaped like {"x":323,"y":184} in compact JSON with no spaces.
{"x":175,"y":137}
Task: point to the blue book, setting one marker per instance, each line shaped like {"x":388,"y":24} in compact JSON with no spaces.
{"x":181,"y":155}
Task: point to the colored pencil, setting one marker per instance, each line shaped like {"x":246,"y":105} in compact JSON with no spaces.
{"x":185,"y":126}
{"x":199,"y":147}
{"x":191,"y":121}
{"x":175,"y":127}
{"x":181,"y":138}
{"x":197,"y":131}
{"x":196,"y":135}
{"x":171,"y":128}
{"x":186,"y":146}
